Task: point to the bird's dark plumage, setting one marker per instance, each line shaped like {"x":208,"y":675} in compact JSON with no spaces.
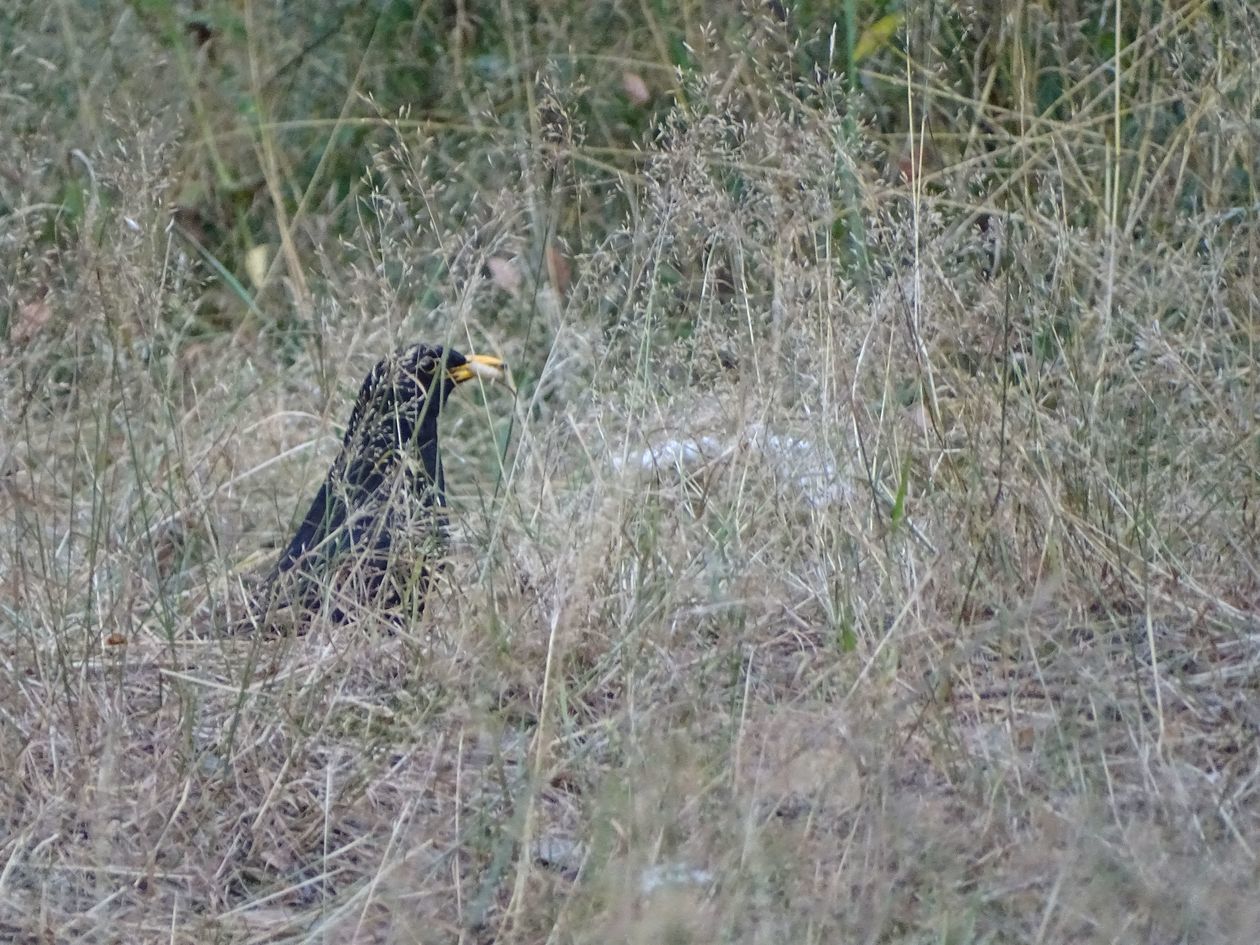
{"x":385,"y":493}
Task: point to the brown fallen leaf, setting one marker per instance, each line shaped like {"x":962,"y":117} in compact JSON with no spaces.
{"x":29,"y":320}
{"x":558,"y":271}
{"x":635,"y":88}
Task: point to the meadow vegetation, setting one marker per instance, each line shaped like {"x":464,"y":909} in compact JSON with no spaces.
{"x":868,"y":555}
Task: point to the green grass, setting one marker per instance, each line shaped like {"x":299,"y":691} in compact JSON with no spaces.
{"x":869,"y":553}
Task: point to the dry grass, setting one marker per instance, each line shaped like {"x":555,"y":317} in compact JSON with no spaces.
{"x":870,"y":554}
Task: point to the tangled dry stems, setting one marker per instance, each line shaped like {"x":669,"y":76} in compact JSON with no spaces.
{"x":997,"y":679}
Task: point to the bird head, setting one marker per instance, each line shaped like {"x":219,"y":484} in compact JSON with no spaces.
{"x":420,"y":366}
{"x":401,"y":397}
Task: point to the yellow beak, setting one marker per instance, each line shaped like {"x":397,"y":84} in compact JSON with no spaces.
{"x":484,"y":367}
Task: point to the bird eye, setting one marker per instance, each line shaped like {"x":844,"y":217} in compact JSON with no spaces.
{"x":427,"y":364}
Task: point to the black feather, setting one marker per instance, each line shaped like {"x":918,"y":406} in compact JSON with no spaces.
{"x":386,"y":482}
